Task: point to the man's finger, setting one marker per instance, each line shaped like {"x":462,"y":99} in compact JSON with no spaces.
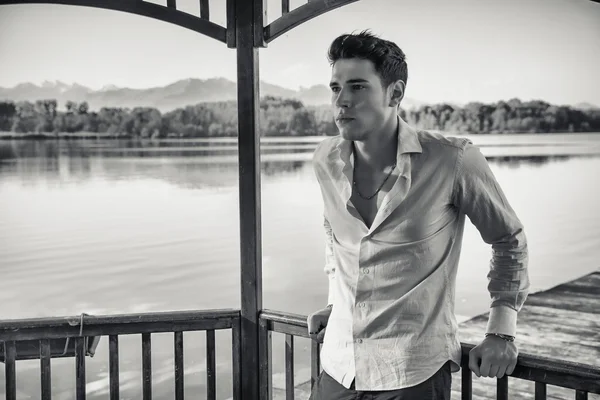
{"x":494,"y":368}
{"x":501,"y":371}
{"x":484,"y":368}
{"x":511,"y":367}
{"x":321,"y":335}
{"x":474,"y":362}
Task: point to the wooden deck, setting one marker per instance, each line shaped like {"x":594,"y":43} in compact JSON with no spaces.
{"x":562,"y":322}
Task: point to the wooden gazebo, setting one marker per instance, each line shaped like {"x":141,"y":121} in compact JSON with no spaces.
{"x":251,"y":325}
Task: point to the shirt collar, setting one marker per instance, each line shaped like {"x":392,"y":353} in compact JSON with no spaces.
{"x":408,"y":142}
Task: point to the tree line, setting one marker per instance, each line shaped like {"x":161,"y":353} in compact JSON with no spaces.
{"x":282,"y":117}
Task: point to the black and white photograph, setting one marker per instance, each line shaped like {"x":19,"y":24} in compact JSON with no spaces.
{"x":299,"y":199}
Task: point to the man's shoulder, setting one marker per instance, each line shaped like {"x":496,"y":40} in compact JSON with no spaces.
{"x":325,"y":147}
{"x":433,"y":141}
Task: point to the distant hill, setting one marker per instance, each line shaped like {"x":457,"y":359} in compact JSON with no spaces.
{"x":165,"y":98}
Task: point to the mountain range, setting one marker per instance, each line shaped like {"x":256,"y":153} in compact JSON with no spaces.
{"x":165,"y":98}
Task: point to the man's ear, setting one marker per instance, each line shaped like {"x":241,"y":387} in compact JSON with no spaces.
{"x":396,"y":93}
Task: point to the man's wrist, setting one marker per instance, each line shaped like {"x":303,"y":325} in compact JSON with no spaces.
{"x":508,"y":338}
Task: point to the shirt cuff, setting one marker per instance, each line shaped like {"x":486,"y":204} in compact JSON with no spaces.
{"x":502,"y":320}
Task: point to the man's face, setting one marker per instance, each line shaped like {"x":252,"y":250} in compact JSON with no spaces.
{"x":360,"y":103}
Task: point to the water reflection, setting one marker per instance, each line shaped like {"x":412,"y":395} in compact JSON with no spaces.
{"x":200,"y":163}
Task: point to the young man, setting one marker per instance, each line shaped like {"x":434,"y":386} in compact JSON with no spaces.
{"x":395,"y":201}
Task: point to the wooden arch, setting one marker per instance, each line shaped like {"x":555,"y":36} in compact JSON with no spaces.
{"x":246,"y":32}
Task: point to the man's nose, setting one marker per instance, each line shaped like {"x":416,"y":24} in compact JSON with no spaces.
{"x":342,"y":99}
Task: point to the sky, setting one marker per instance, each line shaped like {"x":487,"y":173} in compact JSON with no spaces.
{"x":457,"y":50}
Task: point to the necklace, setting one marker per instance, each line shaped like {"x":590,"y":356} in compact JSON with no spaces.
{"x":380,"y":186}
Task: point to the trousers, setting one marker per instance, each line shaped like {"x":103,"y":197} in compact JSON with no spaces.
{"x":437,"y":387}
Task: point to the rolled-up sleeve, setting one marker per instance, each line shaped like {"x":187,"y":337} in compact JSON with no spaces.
{"x":479,"y":196}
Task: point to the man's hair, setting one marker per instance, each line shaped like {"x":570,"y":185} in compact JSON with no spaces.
{"x":388,"y":58}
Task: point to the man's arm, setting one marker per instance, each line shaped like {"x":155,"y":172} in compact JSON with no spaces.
{"x":329,"y":260}
{"x":479,"y":196}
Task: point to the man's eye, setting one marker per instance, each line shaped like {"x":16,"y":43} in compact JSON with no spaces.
{"x":335,"y":89}
{"x":358,"y":87}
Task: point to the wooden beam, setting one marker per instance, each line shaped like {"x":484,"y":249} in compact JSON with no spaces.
{"x":204,"y":10}
{"x":145,"y":9}
{"x":260,"y":17}
{"x":249,"y":194}
{"x":299,"y":15}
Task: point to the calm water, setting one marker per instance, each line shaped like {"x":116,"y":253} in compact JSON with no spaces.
{"x":107,"y":227}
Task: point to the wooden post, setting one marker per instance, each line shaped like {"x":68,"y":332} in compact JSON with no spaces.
{"x":247,"y":15}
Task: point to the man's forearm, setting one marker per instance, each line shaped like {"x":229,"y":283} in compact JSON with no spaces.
{"x":508,"y":283}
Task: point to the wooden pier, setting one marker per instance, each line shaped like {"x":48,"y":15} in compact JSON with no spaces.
{"x":561,"y":323}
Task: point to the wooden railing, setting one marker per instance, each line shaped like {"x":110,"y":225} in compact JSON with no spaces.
{"x":85,"y":330}
{"x":583,"y":379}
{"x":45,"y":333}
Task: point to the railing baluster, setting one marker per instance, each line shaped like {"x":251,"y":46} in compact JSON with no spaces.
{"x":502,"y":388}
{"x":289,"y":367}
{"x":10,"y":372}
{"x":80,"y":368}
{"x":211,"y":383}
{"x":540,"y":391}
{"x":204,"y":10}
{"x":466,"y":383}
{"x":581,"y":395}
{"x":236,"y":350}
{"x":146,"y":366}
{"x":178,"y":365}
{"x":45,"y":369}
{"x":172,"y":4}
{"x":113,"y":366}
{"x":265,"y":355}
{"x":285,"y":6}
{"x":315,"y":362}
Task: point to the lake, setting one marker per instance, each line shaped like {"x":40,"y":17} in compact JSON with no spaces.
{"x":121,"y":226}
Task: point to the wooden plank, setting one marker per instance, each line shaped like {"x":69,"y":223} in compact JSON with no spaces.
{"x":80,"y":368}
{"x":113,"y":366}
{"x":249,"y":193}
{"x":178,"y":344}
{"x":540,"y":391}
{"x":211,"y":376}
{"x":299,"y":15}
{"x":10,"y":372}
{"x":266,"y":360}
{"x":502,"y":388}
{"x":581,"y":395}
{"x":260,"y":17}
{"x":146,"y":366}
{"x":467,"y":382}
{"x":315,"y":362}
{"x":236,"y":350}
{"x":289,"y":367}
{"x":61,"y":327}
{"x":231,"y":24}
{"x":204,"y":10}
{"x":45,"y":370}
{"x":146,"y":9}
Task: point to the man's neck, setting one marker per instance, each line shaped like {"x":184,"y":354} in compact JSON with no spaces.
{"x":379,"y":151}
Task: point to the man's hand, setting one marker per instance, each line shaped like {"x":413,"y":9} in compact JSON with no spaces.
{"x":317,"y":322}
{"x":494,"y":357}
